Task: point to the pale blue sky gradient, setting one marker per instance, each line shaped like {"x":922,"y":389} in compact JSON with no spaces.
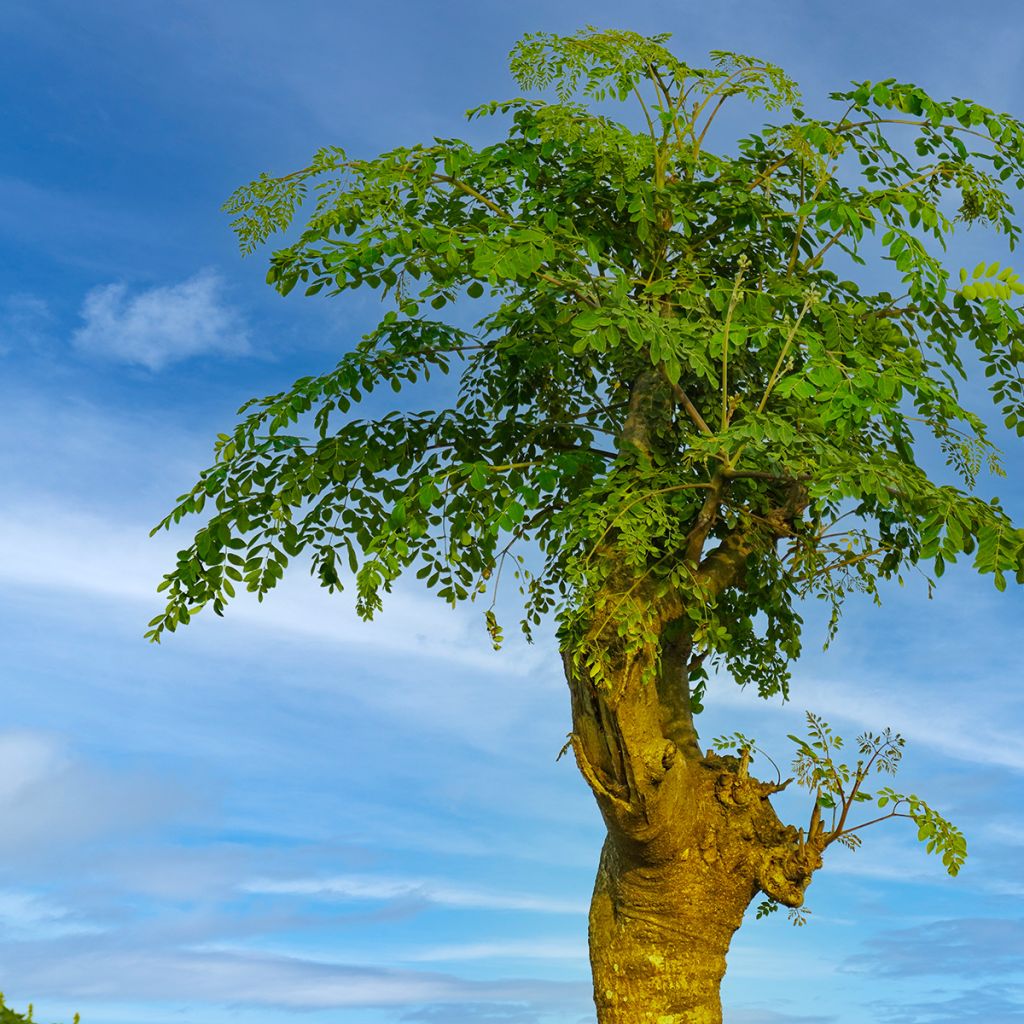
{"x":292,"y":815}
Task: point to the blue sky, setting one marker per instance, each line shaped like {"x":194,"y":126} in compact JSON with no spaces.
{"x":293,"y":815}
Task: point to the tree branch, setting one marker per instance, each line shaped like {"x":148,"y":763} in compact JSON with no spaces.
{"x":706,"y":519}
{"x":690,"y":408}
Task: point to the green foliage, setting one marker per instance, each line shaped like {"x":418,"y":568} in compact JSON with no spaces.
{"x":797,"y":915}
{"x":838,"y":786}
{"x":615,"y":267}
{"x":9,"y":1016}
{"x":745,"y":747}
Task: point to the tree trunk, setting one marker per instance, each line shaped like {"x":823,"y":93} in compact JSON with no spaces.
{"x":659,"y":936}
{"x":691,"y":838}
{"x":691,"y":841}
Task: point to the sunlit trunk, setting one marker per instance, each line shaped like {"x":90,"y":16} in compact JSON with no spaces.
{"x":659,"y":932}
{"x":691,"y":840}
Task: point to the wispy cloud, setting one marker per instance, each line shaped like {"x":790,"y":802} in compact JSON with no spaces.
{"x":479,"y":1013}
{"x":752,"y":1015}
{"x":885,"y":859}
{"x":962,"y":947}
{"x":1005,"y":832}
{"x":42,"y":544}
{"x":106,"y":233}
{"x":57,"y":548}
{"x":964,"y":724}
{"x":161,"y":326}
{"x":26,"y":322}
{"x":569,"y":951}
{"x":105,"y":970}
{"x":27,"y":915}
{"x":985,"y":1004}
{"x":50,"y":797}
{"x":437,"y":892}
{"x":521,"y":949}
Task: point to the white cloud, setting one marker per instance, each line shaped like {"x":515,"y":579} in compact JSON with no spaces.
{"x":522,"y":949}
{"x":440,"y":893}
{"x":540,"y":948}
{"x":966,"y":723}
{"x":161,"y":326}
{"x":885,"y":859}
{"x":756,"y":963}
{"x":1005,"y":832}
{"x":45,"y":545}
{"x":26,"y":760}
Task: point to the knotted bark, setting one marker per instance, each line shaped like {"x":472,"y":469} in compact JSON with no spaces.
{"x":691,"y":840}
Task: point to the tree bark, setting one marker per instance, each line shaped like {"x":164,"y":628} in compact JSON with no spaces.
{"x":691,"y":840}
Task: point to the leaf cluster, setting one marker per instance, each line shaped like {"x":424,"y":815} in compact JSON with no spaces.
{"x":838,"y":787}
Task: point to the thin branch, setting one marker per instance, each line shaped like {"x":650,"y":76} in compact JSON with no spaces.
{"x":707,"y":125}
{"x":470,"y":191}
{"x":658,"y":170}
{"x":782,"y":356}
{"x":757,"y":474}
{"x":861,"y":775}
{"x":676,"y":106}
{"x":691,"y":410}
{"x":874,"y":821}
{"x":825,"y":248}
{"x":802,"y":222}
{"x":636,"y":501}
{"x":767,"y":173}
{"x":733,"y":300}
{"x":705,"y":520}
{"x":853,"y":560}
{"x":947,"y":171}
{"x":915,"y":124}
{"x":828,"y":526}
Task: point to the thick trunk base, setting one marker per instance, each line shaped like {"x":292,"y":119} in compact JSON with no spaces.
{"x":669,"y":897}
{"x":658,"y":940}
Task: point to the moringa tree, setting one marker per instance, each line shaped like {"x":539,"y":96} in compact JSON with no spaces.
{"x":676,"y":399}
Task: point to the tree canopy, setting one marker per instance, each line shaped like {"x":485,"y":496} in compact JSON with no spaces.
{"x":602,"y":254}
